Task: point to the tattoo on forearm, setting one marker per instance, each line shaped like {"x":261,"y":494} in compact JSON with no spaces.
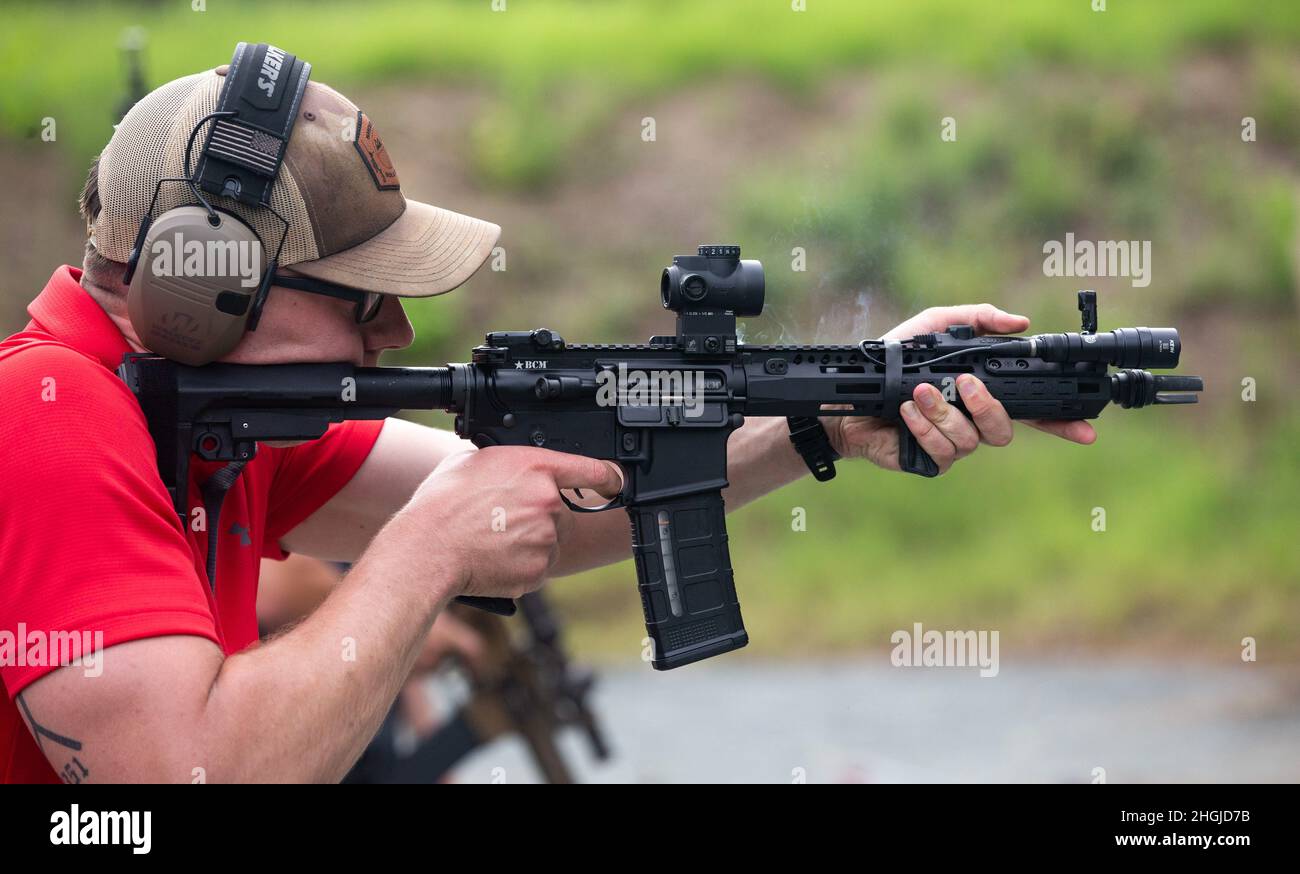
{"x":73,"y":770}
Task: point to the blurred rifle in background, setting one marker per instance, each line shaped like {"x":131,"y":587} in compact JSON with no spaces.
{"x":525,"y":686}
{"x":132,"y":44}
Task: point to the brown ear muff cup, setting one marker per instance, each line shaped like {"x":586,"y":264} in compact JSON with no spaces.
{"x":192,"y":291}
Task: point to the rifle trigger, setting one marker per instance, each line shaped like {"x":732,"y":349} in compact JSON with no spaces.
{"x":614,"y":503}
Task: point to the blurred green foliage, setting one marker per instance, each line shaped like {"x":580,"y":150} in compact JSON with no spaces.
{"x":1116,"y":125}
{"x":924,"y":217}
{"x":532,"y":53}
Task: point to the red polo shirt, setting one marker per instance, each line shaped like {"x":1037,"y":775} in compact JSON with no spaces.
{"x":89,"y":542}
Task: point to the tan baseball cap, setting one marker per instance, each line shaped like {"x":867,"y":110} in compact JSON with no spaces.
{"x":348,"y":220}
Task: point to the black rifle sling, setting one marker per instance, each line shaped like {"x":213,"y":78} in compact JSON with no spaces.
{"x":911,"y":457}
{"x":214,"y":495}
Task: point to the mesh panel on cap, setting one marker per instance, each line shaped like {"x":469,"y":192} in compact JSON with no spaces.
{"x":131,"y":157}
{"x":149,"y":145}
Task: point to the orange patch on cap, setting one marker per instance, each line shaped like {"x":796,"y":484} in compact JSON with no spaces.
{"x":371,"y":149}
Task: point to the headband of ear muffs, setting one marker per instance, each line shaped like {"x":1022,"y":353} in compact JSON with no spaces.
{"x":197,"y":274}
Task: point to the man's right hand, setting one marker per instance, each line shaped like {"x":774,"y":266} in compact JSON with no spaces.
{"x":170,"y":708}
{"x":495,"y":515}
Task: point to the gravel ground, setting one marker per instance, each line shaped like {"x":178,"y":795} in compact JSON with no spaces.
{"x":845,"y":722}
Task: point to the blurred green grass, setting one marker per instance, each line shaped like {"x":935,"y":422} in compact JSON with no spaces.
{"x":1068,"y":120}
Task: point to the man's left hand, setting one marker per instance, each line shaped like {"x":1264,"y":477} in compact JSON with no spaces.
{"x":940,"y":428}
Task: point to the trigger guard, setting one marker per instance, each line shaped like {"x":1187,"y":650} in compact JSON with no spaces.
{"x":614,"y":503}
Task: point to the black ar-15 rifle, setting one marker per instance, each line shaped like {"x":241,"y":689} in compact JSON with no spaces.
{"x":663,"y":410}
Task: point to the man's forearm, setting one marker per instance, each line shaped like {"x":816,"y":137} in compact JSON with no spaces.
{"x":341,"y":667}
{"x":760,"y":459}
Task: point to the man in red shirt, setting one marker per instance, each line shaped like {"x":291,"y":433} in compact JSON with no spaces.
{"x":118,"y":659}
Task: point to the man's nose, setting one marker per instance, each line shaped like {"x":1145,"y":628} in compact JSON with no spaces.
{"x":390,"y":329}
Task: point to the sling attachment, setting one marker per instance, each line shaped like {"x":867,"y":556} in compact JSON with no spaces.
{"x":214,"y":495}
{"x":813,"y":445}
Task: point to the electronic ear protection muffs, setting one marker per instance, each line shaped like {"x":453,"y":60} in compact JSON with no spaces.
{"x":196,"y":275}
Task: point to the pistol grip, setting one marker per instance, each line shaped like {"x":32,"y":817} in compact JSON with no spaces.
{"x":683,"y":569}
